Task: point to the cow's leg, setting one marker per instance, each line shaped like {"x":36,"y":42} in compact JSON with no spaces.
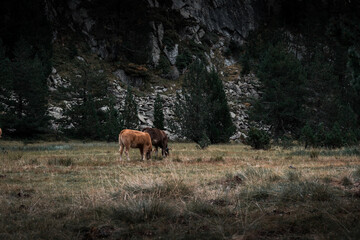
{"x":142,"y":154}
{"x":127,"y":152}
{"x":121,"y":150}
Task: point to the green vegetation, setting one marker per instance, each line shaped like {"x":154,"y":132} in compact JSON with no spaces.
{"x":202,"y":110}
{"x":280,"y":105}
{"x":164,"y":65}
{"x":24,"y":91}
{"x":85,"y":93}
{"x":258,"y":139}
{"x":25,"y":52}
{"x":158,"y":113}
{"x":309,"y":68}
{"x":130,"y":114}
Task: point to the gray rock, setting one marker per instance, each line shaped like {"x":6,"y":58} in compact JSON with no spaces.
{"x":234,"y":19}
{"x":155,"y":50}
{"x":123,"y":77}
{"x":171,"y":55}
{"x":173,"y":73}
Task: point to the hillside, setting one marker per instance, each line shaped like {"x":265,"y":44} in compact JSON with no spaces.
{"x":150,"y":45}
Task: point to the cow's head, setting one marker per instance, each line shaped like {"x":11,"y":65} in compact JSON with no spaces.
{"x":166,"y":151}
{"x":148,"y":153}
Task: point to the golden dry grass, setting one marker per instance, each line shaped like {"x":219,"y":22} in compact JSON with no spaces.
{"x":80,"y":190}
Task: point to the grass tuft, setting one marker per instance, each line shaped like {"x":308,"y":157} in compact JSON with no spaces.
{"x":314,"y":154}
{"x":258,"y":193}
{"x":143,"y":210}
{"x":293,"y":176}
{"x":61,"y":161}
{"x":177,"y":159}
{"x":202,"y":208}
{"x":304,"y":191}
{"x":345,"y":181}
{"x":356,"y":173}
{"x":167,"y":189}
{"x":11,"y":155}
{"x":217,"y":159}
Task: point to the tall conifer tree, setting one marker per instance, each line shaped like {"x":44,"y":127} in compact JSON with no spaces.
{"x":158,"y":113}
{"x":202,"y":111}
{"x":130,"y":112}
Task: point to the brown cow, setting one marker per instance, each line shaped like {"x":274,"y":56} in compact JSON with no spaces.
{"x":158,"y":139}
{"x":0,"y":132}
{"x":135,"y":139}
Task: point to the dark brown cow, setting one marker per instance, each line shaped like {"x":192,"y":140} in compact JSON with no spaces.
{"x":158,"y":139}
{"x":0,"y":132}
{"x":135,"y":139}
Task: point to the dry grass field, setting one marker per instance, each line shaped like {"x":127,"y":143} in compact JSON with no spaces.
{"x":75,"y":190}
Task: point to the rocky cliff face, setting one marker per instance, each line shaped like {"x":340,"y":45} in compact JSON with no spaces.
{"x":152,"y":36}
{"x":232,"y":19}
{"x":105,"y":26}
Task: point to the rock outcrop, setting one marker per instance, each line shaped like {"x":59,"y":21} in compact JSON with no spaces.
{"x":232,"y":19}
{"x":149,"y":35}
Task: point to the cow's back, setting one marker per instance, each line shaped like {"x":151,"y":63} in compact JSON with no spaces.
{"x":158,"y":137}
{"x":155,"y":134}
{"x":134,"y":138}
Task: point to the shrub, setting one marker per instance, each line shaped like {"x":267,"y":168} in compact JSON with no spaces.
{"x":164,"y":65}
{"x":204,"y":141}
{"x":331,"y":137}
{"x":183,"y":60}
{"x":258,"y":139}
{"x":308,"y":136}
{"x":334,"y":139}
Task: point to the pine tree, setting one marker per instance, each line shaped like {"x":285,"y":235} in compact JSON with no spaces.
{"x":220,"y":126}
{"x":113,"y":123}
{"x":201,"y":111}
{"x":280,"y":106}
{"x":191,"y":107}
{"x":130,"y":112}
{"x":6,"y":78}
{"x":158,"y":113}
{"x":27,"y":86}
{"x":87,"y":93}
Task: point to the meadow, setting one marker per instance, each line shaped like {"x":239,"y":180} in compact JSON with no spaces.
{"x":76,"y":190}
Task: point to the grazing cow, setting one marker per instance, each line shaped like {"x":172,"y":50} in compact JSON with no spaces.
{"x":135,"y":139}
{"x":158,"y":139}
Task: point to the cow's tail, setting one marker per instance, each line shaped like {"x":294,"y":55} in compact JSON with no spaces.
{"x":120,"y":141}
